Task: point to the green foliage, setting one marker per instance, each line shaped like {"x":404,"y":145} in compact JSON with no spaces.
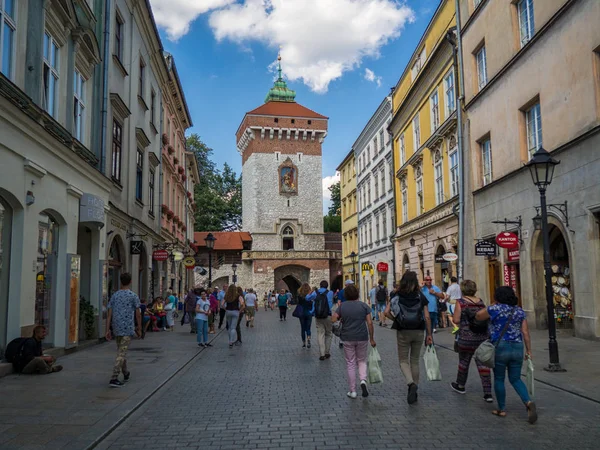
{"x":87,"y":314}
{"x":332,"y":224}
{"x":218,"y":195}
{"x":336,"y":201}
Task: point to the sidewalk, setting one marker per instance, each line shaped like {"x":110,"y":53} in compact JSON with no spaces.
{"x":579,"y":357}
{"x":72,"y":408}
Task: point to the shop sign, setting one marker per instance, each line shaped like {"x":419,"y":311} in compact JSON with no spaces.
{"x":91,"y":210}
{"x":513,"y":255}
{"x":507,"y":240}
{"x":177,"y":256}
{"x":513,"y":277}
{"x":506,"y":275}
{"x":450,"y":257}
{"x":160,"y":255}
{"x":382,"y":267}
{"x":485,"y":248}
{"x":366,"y":267}
{"x":136,"y":247}
{"x":439,"y":258}
{"x":189,"y":262}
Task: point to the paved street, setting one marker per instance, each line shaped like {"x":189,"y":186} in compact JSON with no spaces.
{"x":271,"y":393}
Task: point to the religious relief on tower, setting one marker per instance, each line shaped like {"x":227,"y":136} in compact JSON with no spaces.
{"x":288,"y":178}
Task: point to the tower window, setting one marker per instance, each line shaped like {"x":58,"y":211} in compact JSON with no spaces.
{"x":288,"y":238}
{"x":293,"y":120}
{"x":276,"y":120}
{"x":310,"y":122}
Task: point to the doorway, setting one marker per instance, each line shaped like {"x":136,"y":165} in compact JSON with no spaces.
{"x":116,"y":265}
{"x":5,"y":239}
{"x":46,"y":270}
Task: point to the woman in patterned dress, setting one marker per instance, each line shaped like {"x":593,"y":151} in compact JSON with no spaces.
{"x":470,"y":336}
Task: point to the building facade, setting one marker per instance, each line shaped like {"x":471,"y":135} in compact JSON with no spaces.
{"x":347,"y":171}
{"x":376,"y":209}
{"x":532,"y":68}
{"x":282,"y":193}
{"x":426,"y":153}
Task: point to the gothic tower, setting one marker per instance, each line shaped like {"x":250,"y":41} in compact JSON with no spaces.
{"x":282,"y":194}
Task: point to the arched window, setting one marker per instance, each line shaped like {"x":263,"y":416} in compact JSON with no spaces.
{"x":288,"y":238}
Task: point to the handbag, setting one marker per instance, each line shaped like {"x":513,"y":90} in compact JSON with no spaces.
{"x":486,"y":352}
{"x":168,"y":307}
{"x":432,"y":364}
{"x":298,"y":312}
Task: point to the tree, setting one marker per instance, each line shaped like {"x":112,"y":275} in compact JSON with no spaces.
{"x":218,"y":195}
{"x":336,"y":202}
{"x":332,"y":224}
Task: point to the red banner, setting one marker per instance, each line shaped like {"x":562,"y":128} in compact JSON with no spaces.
{"x":506,"y":275}
{"x":382,"y":267}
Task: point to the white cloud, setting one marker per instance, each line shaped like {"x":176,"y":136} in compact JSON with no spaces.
{"x":320,"y":40}
{"x":370,"y":76}
{"x":328,"y":181}
{"x":175,"y":16}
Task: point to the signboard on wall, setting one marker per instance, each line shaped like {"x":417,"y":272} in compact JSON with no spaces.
{"x":485,"y":248}
{"x":513,"y":255}
{"x":382,"y":267}
{"x":74,"y":265}
{"x":136,"y":247}
{"x":506,"y":275}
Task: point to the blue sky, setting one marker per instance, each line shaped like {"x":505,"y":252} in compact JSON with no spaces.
{"x":223,"y":58}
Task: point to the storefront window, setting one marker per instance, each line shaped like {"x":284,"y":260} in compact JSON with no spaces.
{"x":47,"y":255}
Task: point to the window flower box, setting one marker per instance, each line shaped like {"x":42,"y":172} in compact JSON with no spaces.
{"x":175,"y":160}
{"x":165,"y":139}
{"x":170,"y":149}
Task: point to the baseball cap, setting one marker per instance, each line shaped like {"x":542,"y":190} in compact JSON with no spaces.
{"x":349,"y":282}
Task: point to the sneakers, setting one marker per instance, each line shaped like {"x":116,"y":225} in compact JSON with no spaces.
{"x":321,"y":358}
{"x":57,"y":368}
{"x":455,"y":330}
{"x":308,"y":344}
{"x":115,"y":383}
{"x":327,"y":356}
{"x":363,"y":387}
{"x":126,"y":377}
{"x":247,"y":323}
{"x":303,"y":345}
{"x":412,"y":393}
{"x":208,"y":344}
{"x":457,"y":388}
{"x":488,"y":398}
{"x":351,"y":394}
{"x":201,"y":345}
{"x":435,"y":330}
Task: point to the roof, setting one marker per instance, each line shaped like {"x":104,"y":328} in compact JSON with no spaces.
{"x":345,"y":160}
{"x":289,"y":109}
{"x":225,"y":240}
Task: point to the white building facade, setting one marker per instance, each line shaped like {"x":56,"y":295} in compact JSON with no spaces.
{"x":375,"y":198}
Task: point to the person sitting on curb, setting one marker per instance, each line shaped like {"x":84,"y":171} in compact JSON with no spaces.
{"x":32,"y":360}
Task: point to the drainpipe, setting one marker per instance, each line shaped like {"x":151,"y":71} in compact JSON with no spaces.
{"x":105,"y":87}
{"x":392,"y":240}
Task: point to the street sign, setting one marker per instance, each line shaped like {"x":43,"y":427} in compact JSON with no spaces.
{"x":513,"y":255}
{"x":189,"y":262}
{"x":507,"y":240}
{"x":450,"y":257}
{"x":160,"y":255}
{"x":485,"y":248}
{"x":136,"y":247}
{"x":382,"y":267}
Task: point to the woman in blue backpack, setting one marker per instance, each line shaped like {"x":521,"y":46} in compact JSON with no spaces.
{"x":306,"y":298}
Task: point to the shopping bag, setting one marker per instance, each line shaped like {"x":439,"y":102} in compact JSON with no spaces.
{"x":374,"y":368}
{"x":432,"y":364}
{"x":529,"y":378}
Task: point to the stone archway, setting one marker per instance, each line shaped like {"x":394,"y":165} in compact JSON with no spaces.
{"x":291,"y":276}
{"x":220,"y":282}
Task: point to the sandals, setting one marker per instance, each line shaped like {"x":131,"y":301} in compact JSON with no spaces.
{"x":499,"y":413}
{"x":531,"y":413}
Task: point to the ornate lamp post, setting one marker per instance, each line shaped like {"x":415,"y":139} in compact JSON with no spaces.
{"x":234,"y":268}
{"x":542,"y":167}
{"x":353,"y":258}
{"x":210,"y":244}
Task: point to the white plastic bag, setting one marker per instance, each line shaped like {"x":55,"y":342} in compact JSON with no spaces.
{"x":529,"y":378}
{"x":374,"y":368}
{"x":432,"y":364}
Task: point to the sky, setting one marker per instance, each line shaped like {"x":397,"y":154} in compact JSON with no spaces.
{"x":340,"y":56}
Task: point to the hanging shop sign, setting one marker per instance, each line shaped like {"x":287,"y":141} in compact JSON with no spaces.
{"x":366,"y":267}
{"x":189,"y":262}
{"x":513,"y":255}
{"x":507,"y":240}
{"x":160,"y":255}
{"x":382,"y":267}
{"x":506,"y":275}
{"x":485,"y":248}
{"x":91,"y":211}
{"x":439,"y":258}
{"x":136,"y":247}
{"x":177,"y":256}
{"x":450,"y":257}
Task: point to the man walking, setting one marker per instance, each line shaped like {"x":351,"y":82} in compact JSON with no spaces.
{"x":251,"y":303}
{"x":190,"y":309}
{"x":372,"y":298}
{"x":381,"y":296}
{"x":323,"y":319}
{"x":432,"y":294}
{"x":221,"y":298}
{"x":123,"y":306}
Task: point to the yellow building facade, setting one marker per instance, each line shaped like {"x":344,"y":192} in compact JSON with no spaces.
{"x":424,"y":130}
{"x":349,"y":215}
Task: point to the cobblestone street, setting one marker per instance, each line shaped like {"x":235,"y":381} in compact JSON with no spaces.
{"x":271,"y":393}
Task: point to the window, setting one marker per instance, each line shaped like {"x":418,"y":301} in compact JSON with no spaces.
{"x":382,"y":174}
{"x":116,"y":150}
{"x":404,"y":203}
{"x":439,"y":181}
{"x":416,"y":68}
{"x":417,"y":132}
{"x":453,"y":172}
{"x":420,"y":199}
{"x":450,"y":94}
{"x":369,"y":192}
{"x":533,"y":117}
{"x":139,"y":174}
{"x":486,"y":161}
{"x":370,"y":232}
{"x":142,"y":78}
{"x":526,"y":23}
{"x":151,"y":191}
{"x":79,"y":106}
{"x":152,"y":106}
{"x":50,"y":80}
{"x":481,"y":68}
{"x":376,"y":180}
{"x":119,"y":37}
{"x":402,"y":150}
{"x":375,"y":146}
{"x":8,"y":27}
{"x":168,"y":192}
{"x":381,"y":140}
{"x":435,"y":111}
{"x":391,"y":176}
{"x":368,"y":155}
{"x":288,"y":238}
{"x":393,"y":221}
{"x":377,"y":230}
{"x":384,"y":224}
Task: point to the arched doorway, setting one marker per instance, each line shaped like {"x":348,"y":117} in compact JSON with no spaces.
{"x":562,"y":288}
{"x":220,"y":282}
{"x":291,"y":278}
{"x":405,"y":263}
{"x":5,"y":239}
{"x":441,"y":269}
{"x":116,"y":264}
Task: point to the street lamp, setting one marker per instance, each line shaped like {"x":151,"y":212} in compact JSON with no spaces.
{"x":234,"y":268}
{"x":542,"y":167}
{"x":353,"y":258}
{"x":210,"y":244}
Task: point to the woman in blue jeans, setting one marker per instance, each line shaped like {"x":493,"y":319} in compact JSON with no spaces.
{"x":506,"y":316}
{"x":306,"y":301}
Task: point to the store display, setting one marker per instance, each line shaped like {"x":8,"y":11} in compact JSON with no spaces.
{"x":563,"y":305}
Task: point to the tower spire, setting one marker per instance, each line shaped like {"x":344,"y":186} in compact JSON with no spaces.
{"x":280,"y":92}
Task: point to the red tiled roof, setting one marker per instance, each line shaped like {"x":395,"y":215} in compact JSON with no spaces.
{"x":290,"y":109}
{"x":225,"y":240}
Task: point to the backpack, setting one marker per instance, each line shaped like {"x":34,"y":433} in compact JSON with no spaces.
{"x":321,"y":305}
{"x":381,"y":294}
{"x":13,"y":352}
{"x":409,"y":317}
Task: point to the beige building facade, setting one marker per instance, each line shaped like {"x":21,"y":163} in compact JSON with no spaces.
{"x":532,"y":79}
{"x":347,"y":171}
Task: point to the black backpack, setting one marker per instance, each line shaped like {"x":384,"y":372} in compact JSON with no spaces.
{"x":381,"y":294}
{"x":410,"y":317}
{"x":321,"y":305}
{"x":13,"y":352}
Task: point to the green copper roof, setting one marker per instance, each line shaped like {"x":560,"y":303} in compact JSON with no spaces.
{"x":280,"y":92}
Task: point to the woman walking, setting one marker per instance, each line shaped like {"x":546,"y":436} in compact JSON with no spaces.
{"x":282,"y":302}
{"x":233,"y":304}
{"x":238,"y":329}
{"x":470,"y":336}
{"x":202,"y":312}
{"x":508,"y":324}
{"x":357,"y":331}
{"x":411,"y":321}
{"x":306,"y":298}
